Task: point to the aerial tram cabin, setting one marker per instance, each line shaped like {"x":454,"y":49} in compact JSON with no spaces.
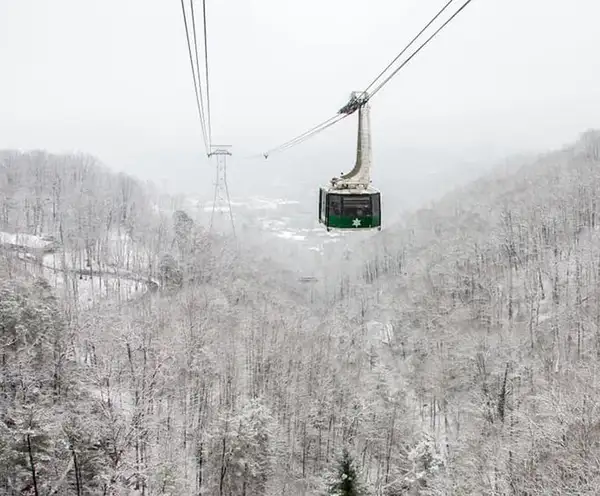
{"x":350,"y":209}
{"x":350,"y":202}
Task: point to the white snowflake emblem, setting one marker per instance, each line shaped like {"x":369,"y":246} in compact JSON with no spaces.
{"x":356,"y":222}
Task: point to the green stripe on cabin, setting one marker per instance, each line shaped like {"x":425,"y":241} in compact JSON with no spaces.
{"x":340,"y":222}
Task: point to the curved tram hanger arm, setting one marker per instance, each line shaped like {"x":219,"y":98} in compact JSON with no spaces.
{"x":360,"y":175}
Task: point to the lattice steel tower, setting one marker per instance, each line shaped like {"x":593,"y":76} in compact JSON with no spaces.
{"x":221,"y":201}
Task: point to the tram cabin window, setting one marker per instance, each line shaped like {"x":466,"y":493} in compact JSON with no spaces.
{"x":357,"y":206}
{"x":322,"y":205}
{"x":376,"y":205}
{"x":335,"y":204}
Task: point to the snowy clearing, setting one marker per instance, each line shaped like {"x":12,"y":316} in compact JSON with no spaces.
{"x":23,"y":240}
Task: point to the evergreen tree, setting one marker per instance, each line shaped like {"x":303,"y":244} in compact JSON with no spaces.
{"x":347,"y":483}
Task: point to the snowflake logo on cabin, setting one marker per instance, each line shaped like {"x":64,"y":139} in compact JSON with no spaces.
{"x":356,"y":222}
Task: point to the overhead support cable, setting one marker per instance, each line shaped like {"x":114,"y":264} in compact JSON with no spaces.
{"x":317,"y":131}
{"x":308,"y":134}
{"x":410,"y":44}
{"x":195,"y":33}
{"x":423,"y":45}
{"x":207,"y":78}
{"x":196,"y":78}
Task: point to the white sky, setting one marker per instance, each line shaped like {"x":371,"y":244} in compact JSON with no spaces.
{"x":112,"y":77}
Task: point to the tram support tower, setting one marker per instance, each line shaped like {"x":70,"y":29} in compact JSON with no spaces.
{"x":360,"y":176}
{"x":221,"y":200}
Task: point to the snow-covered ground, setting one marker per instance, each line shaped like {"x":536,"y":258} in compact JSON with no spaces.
{"x":255,"y":203}
{"x":288,"y":219}
{"x":90,"y":290}
{"x":23,"y":240}
{"x":62,"y":273}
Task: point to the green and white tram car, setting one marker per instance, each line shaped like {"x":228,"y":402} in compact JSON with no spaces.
{"x":350,"y":208}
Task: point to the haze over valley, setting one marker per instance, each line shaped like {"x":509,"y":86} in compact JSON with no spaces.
{"x":156,"y":341}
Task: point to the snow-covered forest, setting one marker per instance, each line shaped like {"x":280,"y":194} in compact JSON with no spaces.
{"x":456,"y":354}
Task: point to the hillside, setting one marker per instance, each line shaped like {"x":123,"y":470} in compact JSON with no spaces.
{"x":459,"y":358}
{"x":492,"y":295}
{"x":90,"y":234}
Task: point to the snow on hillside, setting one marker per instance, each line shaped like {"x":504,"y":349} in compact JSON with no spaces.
{"x":24,"y":240}
{"x":92,"y":289}
{"x":62,"y":271}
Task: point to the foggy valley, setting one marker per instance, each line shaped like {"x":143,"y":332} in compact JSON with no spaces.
{"x":196,"y":299}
